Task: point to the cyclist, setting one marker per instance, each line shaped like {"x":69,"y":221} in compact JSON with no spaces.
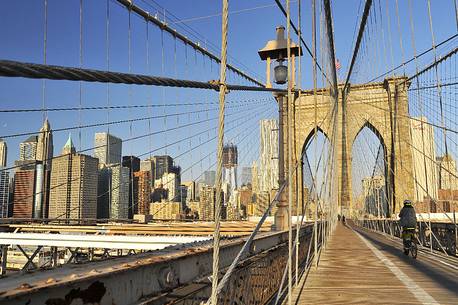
{"x":408,"y":222}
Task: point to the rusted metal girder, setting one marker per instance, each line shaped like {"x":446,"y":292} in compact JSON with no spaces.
{"x":127,"y":280}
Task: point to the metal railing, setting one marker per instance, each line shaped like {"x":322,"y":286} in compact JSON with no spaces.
{"x":257,"y":280}
{"x":438,"y":236}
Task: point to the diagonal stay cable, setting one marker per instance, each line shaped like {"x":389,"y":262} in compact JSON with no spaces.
{"x":111,"y":123}
{"x":122,"y":106}
{"x":165,"y":27}
{"x":280,"y":6}
{"x":362,"y":26}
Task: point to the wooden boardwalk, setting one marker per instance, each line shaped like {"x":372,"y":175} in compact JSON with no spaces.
{"x":366,"y":268}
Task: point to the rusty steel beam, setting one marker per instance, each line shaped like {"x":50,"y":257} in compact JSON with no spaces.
{"x":127,"y":280}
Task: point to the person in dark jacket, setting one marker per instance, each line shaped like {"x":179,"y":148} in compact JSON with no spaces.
{"x":407,"y":216}
{"x":408,"y":222}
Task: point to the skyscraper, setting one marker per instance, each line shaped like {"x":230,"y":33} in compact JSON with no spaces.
{"x":45,"y":146}
{"x":73,"y":192}
{"x":246,"y":175}
{"x":3,"y":153}
{"x":103,"y":193}
{"x":24,"y":191}
{"x":209,"y":178}
{"x":113,"y":192}
{"x":170,"y":182}
{"x":207,"y":203}
{"x":148,"y":165}
{"x":45,"y":150}
{"x":142,"y":192}
{"x":254,"y":177}
{"x":28,"y":149}
{"x":423,"y":159}
{"x":119,"y":207}
{"x":230,"y":162}
{"x":108,"y":148}
{"x":163,"y":164}
{"x":133,"y":164}
{"x":374,"y":195}
{"x":447,"y":173}
{"x":268,"y":168}
{"x":4,"y":193}
{"x":190,"y":190}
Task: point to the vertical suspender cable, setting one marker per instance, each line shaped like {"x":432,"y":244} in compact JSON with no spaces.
{"x":438,"y":83}
{"x":389,"y":34}
{"x":290,"y":160}
{"x":456,"y":16}
{"x":315,"y":228}
{"x":219,"y":168}
{"x":45,"y":42}
{"x":400,"y":37}
{"x":80,"y":101}
{"x":298,"y":224}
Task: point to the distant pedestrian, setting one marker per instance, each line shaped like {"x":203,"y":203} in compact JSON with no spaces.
{"x":343,"y":219}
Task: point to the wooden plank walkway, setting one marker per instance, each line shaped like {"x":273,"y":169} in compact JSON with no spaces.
{"x":366,"y":268}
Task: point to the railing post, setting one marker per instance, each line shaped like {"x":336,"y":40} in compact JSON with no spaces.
{"x":4,"y":259}
{"x":430,"y":233}
{"x":456,"y":231}
{"x":54,"y":257}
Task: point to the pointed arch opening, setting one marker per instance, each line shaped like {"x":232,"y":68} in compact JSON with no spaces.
{"x":369,"y":172}
{"x":316,"y":153}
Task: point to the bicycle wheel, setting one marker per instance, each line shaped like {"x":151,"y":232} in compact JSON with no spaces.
{"x":413,"y":250}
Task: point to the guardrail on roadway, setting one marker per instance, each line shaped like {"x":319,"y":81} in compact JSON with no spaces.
{"x":441,"y":236}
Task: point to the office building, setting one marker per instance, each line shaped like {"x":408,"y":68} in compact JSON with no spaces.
{"x":24,"y":193}
{"x":171,"y":183}
{"x":3,"y":153}
{"x":423,"y":158}
{"x":103,"y":192}
{"x":190,"y":190}
{"x":207,"y":203}
{"x":254,"y":178}
{"x":374,"y":195}
{"x":142,"y":192}
{"x":28,"y":149}
{"x":166,"y":210}
{"x":448,"y":179}
{"x":119,"y":207}
{"x":148,"y":165}
{"x":108,"y":148}
{"x":268,"y":167}
{"x":133,"y":164}
{"x":163,"y":164}
{"x":73,"y":190}
{"x":209,"y":178}
{"x":4,"y":192}
{"x":262,"y":203}
{"x":45,"y":147}
{"x":45,"y":151}
{"x":230,"y":162}
{"x":113,"y":192}
{"x":246,"y":176}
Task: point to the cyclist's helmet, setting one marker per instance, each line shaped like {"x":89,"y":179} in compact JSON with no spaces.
{"x":407,"y":202}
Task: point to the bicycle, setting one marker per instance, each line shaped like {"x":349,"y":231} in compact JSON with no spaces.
{"x":409,"y":240}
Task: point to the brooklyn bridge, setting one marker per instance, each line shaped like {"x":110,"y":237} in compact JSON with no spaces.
{"x":228,"y":152}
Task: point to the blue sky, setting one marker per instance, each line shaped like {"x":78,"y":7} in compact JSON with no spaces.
{"x":21,"y":34}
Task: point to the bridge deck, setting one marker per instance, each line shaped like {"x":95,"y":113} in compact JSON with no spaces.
{"x":358,"y":267}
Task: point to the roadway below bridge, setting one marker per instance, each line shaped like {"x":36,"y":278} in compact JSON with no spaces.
{"x":363,"y":267}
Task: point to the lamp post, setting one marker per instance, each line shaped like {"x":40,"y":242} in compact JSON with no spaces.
{"x":277,"y":50}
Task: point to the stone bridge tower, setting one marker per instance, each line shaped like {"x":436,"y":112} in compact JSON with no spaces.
{"x":382,"y":107}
